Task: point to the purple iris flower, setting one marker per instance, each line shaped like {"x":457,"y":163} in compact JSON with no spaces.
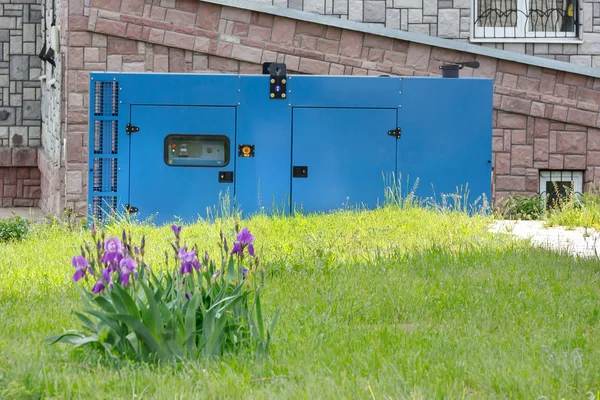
{"x":188,"y":260}
{"x":176,"y":230}
{"x":244,"y":239}
{"x":214,"y":277}
{"x":128,"y":267}
{"x":103,"y":282}
{"x":113,"y":252}
{"x":81,"y":265}
{"x":244,"y":273}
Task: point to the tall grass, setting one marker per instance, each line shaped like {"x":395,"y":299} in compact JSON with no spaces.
{"x":577,"y":211}
{"x":571,"y":210}
{"x":390,"y":303}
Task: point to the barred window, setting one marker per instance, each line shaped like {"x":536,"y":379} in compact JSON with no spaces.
{"x":526,"y":19}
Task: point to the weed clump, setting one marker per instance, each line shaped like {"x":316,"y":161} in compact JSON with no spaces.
{"x":13,"y":228}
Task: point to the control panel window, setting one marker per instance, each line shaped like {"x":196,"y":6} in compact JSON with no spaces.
{"x":196,"y":150}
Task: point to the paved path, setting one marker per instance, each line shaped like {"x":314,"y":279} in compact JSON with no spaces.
{"x":25,"y":212}
{"x":580,"y":241}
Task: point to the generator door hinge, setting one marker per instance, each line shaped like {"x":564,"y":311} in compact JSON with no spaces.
{"x":129,"y":129}
{"x":130,"y":209}
{"x":396,"y":132}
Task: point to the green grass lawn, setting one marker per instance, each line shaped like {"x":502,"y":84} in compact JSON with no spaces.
{"x":393,"y":303}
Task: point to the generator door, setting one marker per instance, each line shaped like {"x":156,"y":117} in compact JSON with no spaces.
{"x":341,"y":157}
{"x":181,"y":160}
{"x":447,"y":139}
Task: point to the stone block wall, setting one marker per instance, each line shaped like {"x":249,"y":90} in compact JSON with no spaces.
{"x":50,"y":158}
{"x":19,"y":186}
{"x":451,"y":19}
{"x":542,"y":118}
{"x":20,"y":105}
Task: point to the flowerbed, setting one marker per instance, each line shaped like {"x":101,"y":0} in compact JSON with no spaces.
{"x":191,"y":308}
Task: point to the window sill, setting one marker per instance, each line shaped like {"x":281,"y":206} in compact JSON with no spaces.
{"x":538,"y":40}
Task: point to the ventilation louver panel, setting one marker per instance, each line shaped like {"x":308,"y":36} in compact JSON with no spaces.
{"x":104,"y":153}
{"x":106,"y":137}
{"x":103,"y":207}
{"x":105,"y":174}
{"x":106,"y":99}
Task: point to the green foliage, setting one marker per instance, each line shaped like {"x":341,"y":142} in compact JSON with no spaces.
{"x":524,"y":207}
{"x":13,"y":228}
{"x":576,"y":210}
{"x":570,"y":210}
{"x":185,"y":311}
{"x":400,"y":303}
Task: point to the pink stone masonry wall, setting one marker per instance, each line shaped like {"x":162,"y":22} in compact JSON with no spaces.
{"x":19,"y":177}
{"x":543,"y":119}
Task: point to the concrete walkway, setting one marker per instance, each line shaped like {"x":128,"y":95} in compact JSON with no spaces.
{"x":32,"y":213}
{"x":578,"y":242}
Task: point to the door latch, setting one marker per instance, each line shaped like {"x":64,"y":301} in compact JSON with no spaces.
{"x":225,"y":176}
{"x":130,"y":209}
{"x":300,"y":172}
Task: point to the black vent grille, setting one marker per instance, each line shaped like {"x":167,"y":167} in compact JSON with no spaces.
{"x":103,"y":207}
{"x":106,"y":137}
{"x":105,"y":174}
{"x":104,"y":150}
{"x":106,"y":99}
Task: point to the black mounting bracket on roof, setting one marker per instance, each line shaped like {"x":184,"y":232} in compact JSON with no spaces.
{"x":451,"y":70}
{"x":278,"y":79}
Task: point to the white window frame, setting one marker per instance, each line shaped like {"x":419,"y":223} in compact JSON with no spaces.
{"x":507,"y":35}
{"x":560,"y":175}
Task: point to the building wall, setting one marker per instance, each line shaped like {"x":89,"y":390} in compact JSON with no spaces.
{"x":20,"y":120}
{"x":451,"y":19}
{"x":543,"y":118}
{"x":51,"y":159}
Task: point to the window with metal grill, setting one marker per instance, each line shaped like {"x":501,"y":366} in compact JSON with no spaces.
{"x":525,"y":20}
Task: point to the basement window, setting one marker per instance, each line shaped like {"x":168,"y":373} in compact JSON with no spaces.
{"x":557,"y":184}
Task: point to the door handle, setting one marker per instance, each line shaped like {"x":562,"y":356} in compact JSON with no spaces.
{"x":225,"y":176}
{"x":300,"y":171}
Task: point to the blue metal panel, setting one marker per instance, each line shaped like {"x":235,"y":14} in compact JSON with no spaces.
{"x":345,"y":91}
{"x":176,"y":191}
{"x":263,"y":180}
{"x":348,"y":153}
{"x":176,"y":89}
{"x":446,"y":135}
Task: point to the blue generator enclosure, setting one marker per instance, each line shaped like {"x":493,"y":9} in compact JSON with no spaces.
{"x":179,"y":146}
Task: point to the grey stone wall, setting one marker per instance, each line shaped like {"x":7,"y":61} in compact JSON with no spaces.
{"x":20,"y":93}
{"x":51,"y":159}
{"x":51,"y":93}
{"x":451,"y":19}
